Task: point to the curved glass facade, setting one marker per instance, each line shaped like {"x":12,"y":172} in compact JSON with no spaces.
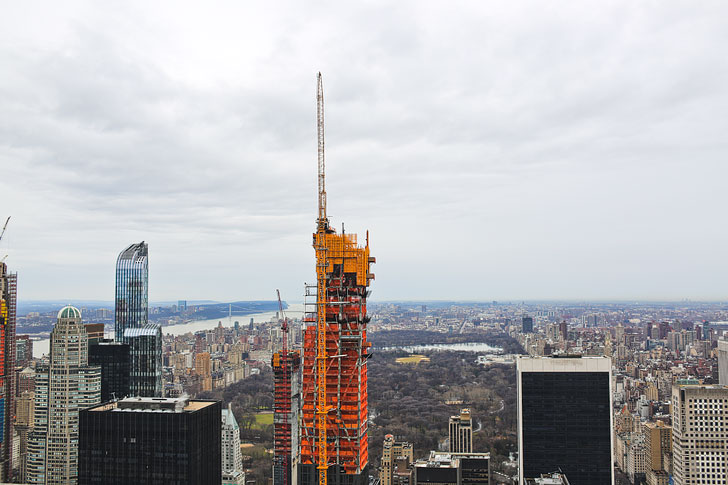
{"x":132,"y":325}
{"x":132,"y":274}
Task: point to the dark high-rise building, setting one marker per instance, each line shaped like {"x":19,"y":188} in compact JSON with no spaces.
{"x":95,"y":332}
{"x":113,"y":358}
{"x":23,"y":351}
{"x":453,"y":469}
{"x":132,"y":275}
{"x":527,"y":324}
{"x":8,"y":302}
{"x":564,"y":330}
{"x":131,"y":324}
{"x":145,"y":351}
{"x":145,"y":440}
{"x":565,"y":418}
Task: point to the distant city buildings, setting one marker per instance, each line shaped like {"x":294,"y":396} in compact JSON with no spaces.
{"x":64,"y":386}
{"x":700,"y":434}
{"x":23,"y":351}
{"x":147,"y":440}
{"x":565,"y":418}
{"x":461,"y":432}
{"x":527,"y":324}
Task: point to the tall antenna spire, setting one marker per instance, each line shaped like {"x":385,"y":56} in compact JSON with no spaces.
{"x":323,"y":221}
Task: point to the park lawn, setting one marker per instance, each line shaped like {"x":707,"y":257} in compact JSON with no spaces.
{"x":413,"y":359}
{"x":262,"y":420}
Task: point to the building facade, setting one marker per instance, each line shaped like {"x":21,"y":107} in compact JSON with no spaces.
{"x":232,"y":458}
{"x":723,"y":362}
{"x":700,"y":434}
{"x":114,"y":360}
{"x":397,"y":462}
{"x":461,"y":432}
{"x":565,"y":418}
{"x":143,"y":440}
{"x":23,"y":351}
{"x":8,"y":302}
{"x":145,"y":357}
{"x":64,"y":386}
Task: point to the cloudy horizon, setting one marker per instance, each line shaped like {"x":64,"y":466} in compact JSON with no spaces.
{"x":494,"y":151}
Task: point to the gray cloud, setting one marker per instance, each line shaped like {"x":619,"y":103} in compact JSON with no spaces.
{"x":494,"y":151}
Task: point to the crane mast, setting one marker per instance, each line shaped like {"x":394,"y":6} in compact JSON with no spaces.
{"x":321,"y":264}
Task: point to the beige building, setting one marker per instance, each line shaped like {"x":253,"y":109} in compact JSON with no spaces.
{"x":63,"y":388}
{"x":397,"y":459}
{"x":461,"y":432}
{"x":700,"y":434}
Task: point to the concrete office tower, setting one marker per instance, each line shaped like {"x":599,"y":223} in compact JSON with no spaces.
{"x":8,"y":301}
{"x":658,"y":441}
{"x":145,"y":357}
{"x":63,"y":388}
{"x":700,"y":434}
{"x":232,"y":458}
{"x":723,"y":362}
{"x":527,"y":324}
{"x":151,"y":440}
{"x":453,"y":469}
{"x":114,"y":360}
{"x":24,"y":421}
{"x":397,"y":461}
{"x":565,"y":418}
{"x":461,"y":432}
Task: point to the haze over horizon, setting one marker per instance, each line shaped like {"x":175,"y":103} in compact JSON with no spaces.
{"x":570,"y":151}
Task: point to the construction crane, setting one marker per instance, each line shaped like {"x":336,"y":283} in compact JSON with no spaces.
{"x":1,"y":237}
{"x":8,"y":220}
{"x":322,"y":227}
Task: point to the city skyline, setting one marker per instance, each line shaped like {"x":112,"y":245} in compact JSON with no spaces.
{"x":575,"y":151}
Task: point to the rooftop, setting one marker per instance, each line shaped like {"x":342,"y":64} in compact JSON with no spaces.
{"x":154,"y":404}
{"x":69,"y":311}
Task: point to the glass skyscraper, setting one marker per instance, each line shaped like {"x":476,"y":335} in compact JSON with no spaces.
{"x":131,"y":322}
{"x":132,"y":275}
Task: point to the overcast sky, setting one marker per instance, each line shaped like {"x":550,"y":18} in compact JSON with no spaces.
{"x":494,"y":150}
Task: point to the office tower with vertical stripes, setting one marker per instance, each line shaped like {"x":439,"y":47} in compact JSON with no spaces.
{"x":8,"y":302}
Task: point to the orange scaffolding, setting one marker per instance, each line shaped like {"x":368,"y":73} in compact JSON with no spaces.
{"x":347,"y":278}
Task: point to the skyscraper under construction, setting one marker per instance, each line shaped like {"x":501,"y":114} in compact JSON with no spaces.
{"x":333,"y":432}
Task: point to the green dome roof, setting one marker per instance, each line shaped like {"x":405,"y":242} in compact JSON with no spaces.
{"x":70,"y":312}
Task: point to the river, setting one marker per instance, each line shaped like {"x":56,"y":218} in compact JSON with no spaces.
{"x":294,"y":310}
{"x":464,"y":347}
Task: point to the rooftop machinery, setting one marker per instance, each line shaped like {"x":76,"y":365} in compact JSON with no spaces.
{"x":335,"y":350}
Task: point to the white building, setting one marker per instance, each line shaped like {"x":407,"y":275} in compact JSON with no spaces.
{"x":232,"y":458}
{"x":723,"y":362}
{"x":700,"y":434}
